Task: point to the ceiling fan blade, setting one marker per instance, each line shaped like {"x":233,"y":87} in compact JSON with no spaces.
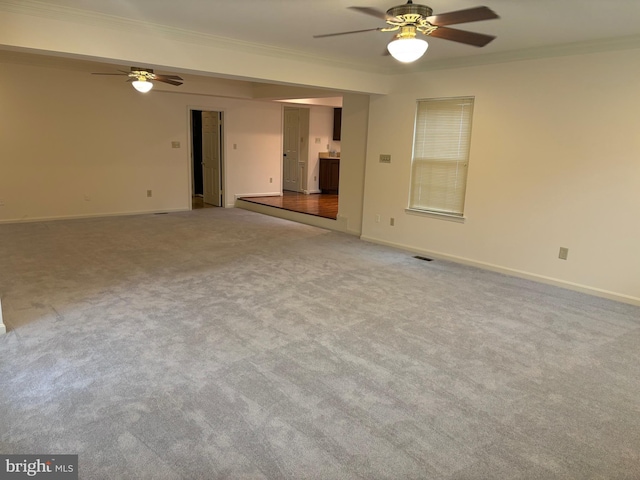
{"x":347,"y":33}
{"x":109,"y":73}
{"x":166,"y":79}
{"x":462,"y":36}
{"x":374,"y":12}
{"x":463,"y":16}
{"x":170,"y":77}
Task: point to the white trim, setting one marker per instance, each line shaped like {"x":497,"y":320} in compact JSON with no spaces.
{"x":223,"y":152}
{"x":439,"y":215}
{"x":85,"y":17}
{"x":3,"y":329}
{"x":628,"y":42}
{"x":272,"y":194}
{"x":311,"y":192}
{"x":175,"y":34}
{"x":99,"y":215}
{"x":577,"y":287}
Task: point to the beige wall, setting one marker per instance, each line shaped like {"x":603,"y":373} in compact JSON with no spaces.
{"x":555,"y":161}
{"x":256,"y":130}
{"x":72,"y":144}
{"x":353,"y":144}
{"x":62,"y":31}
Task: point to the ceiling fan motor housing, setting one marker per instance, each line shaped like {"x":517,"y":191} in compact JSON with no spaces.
{"x":410,"y":12}
{"x":139,"y":73}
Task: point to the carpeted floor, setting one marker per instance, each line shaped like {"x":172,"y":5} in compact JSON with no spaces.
{"x":221,"y":343}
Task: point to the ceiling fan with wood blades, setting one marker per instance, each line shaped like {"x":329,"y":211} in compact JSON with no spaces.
{"x":410,"y":19}
{"x":142,"y":78}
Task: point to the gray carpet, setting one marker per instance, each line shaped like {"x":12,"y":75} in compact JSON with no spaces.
{"x":226,"y":344}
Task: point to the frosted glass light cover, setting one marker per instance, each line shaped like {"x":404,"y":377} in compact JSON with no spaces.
{"x":407,"y":50}
{"x":142,"y":85}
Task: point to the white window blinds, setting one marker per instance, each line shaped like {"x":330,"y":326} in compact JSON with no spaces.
{"x":441,"y":155}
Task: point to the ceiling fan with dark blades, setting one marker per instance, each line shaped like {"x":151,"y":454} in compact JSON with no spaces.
{"x":142,"y":78}
{"x":410,"y":19}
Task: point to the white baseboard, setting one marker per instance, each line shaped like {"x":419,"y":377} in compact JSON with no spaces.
{"x":95,"y":215}
{"x":271,"y":194}
{"x":3,"y":329}
{"x":597,"y":292}
{"x":309,"y":192}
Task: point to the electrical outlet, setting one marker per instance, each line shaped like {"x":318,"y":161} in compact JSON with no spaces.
{"x":564,"y":253}
{"x":1,"y":203}
{"x":392,"y":221}
{"x":149,"y":193}
{"x":175,"y":144}
{"x":87,"y":198}
{"x":318,"y":139}
{"x":270,"y":179}
{"x":384,"y":158}
{"x":378,"y":218}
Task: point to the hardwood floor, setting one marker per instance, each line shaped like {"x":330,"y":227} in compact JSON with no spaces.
{"x":198,"y":202}
{"x":318,"y":204}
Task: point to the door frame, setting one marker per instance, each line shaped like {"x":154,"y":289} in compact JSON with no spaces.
{"x":303,"y":145}
{"x":223,"y":155}
{"x":297,"y":109}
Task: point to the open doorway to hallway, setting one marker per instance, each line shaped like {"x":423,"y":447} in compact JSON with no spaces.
{"x":207,"y":179}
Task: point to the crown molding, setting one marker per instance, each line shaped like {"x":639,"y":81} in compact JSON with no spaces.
{"x":568,"y":49}
{"x":85,"y":17}
{"x":116,"y":23}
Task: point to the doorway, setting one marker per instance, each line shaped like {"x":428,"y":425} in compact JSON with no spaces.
{"x":206,"y":137}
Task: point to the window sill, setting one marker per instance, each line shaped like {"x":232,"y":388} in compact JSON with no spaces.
{"x":441,"y":216}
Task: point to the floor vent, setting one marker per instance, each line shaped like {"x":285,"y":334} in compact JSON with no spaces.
{"x":161,"y":213}
{"x":426,"y":259}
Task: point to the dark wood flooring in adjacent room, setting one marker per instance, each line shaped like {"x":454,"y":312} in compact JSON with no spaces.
{"x":318,"y":204}
{"x":198,"y":202}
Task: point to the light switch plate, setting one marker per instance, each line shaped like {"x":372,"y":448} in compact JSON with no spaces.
{"x":385,"y":158}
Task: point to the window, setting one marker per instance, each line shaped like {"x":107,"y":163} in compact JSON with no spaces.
{"x":441,"y":155}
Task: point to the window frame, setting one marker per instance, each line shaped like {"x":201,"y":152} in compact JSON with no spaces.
{"x":460,"y":199}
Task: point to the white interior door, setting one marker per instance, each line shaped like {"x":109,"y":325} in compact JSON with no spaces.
{"x":211,"y":158}
{"x":291,"y":147}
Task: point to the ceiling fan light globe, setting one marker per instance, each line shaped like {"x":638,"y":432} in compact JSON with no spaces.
{"x":407,"y":50}
{"x":142,"y":85}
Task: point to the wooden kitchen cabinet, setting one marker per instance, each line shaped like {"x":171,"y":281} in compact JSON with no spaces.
{"x":337,"y":123}
{"x":329,"y":175}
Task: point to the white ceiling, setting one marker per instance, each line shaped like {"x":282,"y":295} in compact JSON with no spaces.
{"x":526,"y":27}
